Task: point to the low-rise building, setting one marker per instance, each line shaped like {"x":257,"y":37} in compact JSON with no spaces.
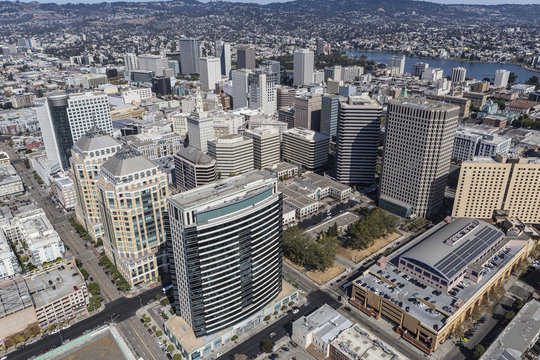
{"x":356,"y":343}
{"x":10,"y":182}
{"x":522,"y":106}
{"x":495,"y":121}
{"x":283,"y":170}
{"x":155,"y":144}
{"x":9,"y":265}
{"x":316,"y":331}
{"x":34,"y":229}
{"x":63,"y":189}
{"x":471,"y":142}
{"x":477,"y":99}
{"x":429,"y":288}
{"x":44,"y":297}
{"x":519,"y":340}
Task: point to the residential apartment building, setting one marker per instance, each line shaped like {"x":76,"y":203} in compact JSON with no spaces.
{"x":9,"y":263}
{"x":486,"y":185}
{"x":417,"y":152}
{"x":63,"y":190}
{"x":10,"y":181}
{"x":88,"y":154}
{"x":357,"y":142}
{"x":34,"y":229}
{"x":470,"y":142}
{"x":193,"y":168}
{"x":132,"y":194}
{"x":227,"y":248}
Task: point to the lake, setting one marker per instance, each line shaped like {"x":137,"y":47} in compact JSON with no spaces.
{"x":475,"y":70}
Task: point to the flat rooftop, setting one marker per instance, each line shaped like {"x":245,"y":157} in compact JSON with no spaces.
{"x":518,"y":334}
{"x":207,"y":194}
{"x":14,"y":296}
{"x":325,"y":323}
{"x":104,"y":343}
{"x":51,"y":285}
{"x":423,"y":103}
{"x":357,"y":343}
{"x":419,"y":299}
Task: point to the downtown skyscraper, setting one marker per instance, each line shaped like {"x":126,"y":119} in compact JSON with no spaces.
{"x":417,"y":152}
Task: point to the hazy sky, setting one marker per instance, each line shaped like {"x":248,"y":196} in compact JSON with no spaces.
{"x":484,"y":2}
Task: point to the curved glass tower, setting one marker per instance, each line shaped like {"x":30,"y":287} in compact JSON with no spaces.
{"x":227,"y":247}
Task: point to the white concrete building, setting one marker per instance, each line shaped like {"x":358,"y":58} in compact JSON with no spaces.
{"x":266,"y":146}
{"x":501,"y":78}
{"x":9,"y":265}
{"x":210,"y":72}
{"x":303,"y":67}
{"x":10,"y":182}
{"x":64,"y":190}
{"x":151,"y":63}
{"x":432,"y":74}
{"x":233,"y":154}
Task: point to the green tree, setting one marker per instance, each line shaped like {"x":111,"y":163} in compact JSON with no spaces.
{"x":533,"y":80}
{"x":509,"y":315}
{"x":267,"y":346}
{"x":234,"y":337}
{"x":478,"y":351}
{"x":458,"y":332}
{"x":333,"y":230}
{"x":170,"y":348}
{"x":517,"y":305}
{"x":94,"y":289}
{"x":512,"y":78}
{"x":177,"y":357}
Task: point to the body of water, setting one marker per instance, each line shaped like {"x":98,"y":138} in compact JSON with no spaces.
{"x":475,"y":70}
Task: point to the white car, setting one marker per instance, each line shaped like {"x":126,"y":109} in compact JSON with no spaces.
{"x":302,"y":292}
{"x":295,"y":311}
{"x":219,"y":354}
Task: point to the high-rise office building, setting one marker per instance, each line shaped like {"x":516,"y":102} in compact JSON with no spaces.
{"x":227,"y":247}
{"x":193,"y":168}
{"x":223,"y":53}
{"x":320,"y":47}
{"x":304,"y":147}
{"x":262,"y":91}
{"x":458,"y":75}
{"x":396,"y":64}
{"x":333,"y":72}
{"x":65,"y":118}
{"x":418,"y":68}
{"x":245,"y":57}
{"x":266,"y":146}
{"x":432,"y":74}
{"x":274,"y":67}
{"x":303,"y":63}
{"x":190,"y":54}
{"x":200,"y":130}
{"x":130,"y":64}
{"x":151,"y":63}
{"x":488,"y":184}
{"x":240,"y":88}
{"x":161,"y":85}
{"x":87,"y":156}
{"x":358,"y":131}
{"x":233,"y":154}
{"x":417,"y":152}
{"x":285,"y":96}
{"x":133,"y":192}
{"x":210,"y":72}
{"x":307,"y":112}
{"x":329,"y":115}
{"x":501,"y":78}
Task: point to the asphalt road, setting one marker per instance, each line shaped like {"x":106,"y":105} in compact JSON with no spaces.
{"x":283,"y":326}
{"x":116,"y":311}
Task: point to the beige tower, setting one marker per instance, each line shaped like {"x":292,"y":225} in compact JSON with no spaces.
{"x":87,"y":156}
{"x":489,"y":184}
{"x":133,"y":193}
{"x":418,"y":147}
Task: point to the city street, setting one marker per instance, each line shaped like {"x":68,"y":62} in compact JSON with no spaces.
{"x":283,"y":326}
{"x":116,"y":311}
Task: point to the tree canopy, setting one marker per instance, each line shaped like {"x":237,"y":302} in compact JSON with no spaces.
{"x":304,"y":250}
{"x":376,"y":223}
